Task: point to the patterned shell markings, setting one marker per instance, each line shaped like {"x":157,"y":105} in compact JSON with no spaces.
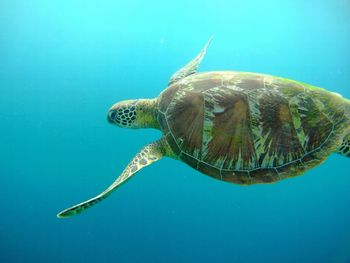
{"x":228,"y":142}
{"x":281,"y":141}
{"x":243,"y":127}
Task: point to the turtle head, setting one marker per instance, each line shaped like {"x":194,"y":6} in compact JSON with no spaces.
{"x":141,"y":113}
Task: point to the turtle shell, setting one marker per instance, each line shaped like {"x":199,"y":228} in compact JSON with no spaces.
{"x":250,"y":128}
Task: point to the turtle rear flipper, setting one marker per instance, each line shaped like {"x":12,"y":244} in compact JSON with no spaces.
{"x":344,"y":148}
{"x":149,"y":154}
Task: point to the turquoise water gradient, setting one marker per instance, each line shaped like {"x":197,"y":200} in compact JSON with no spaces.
{"x":64,"y":63}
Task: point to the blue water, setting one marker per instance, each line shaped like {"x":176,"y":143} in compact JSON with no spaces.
{"x":64,"y":63}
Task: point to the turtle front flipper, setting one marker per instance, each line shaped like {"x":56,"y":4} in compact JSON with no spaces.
{"x":191,"y":67}
{"x":149,"y":154}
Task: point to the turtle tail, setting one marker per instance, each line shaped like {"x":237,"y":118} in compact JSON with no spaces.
{"x":344,"y":148}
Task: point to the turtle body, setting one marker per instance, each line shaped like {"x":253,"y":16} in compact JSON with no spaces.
{"x":249,"y":128}
{"x":239,"y":127}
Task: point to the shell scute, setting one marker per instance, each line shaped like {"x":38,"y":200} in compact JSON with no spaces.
{"x":281,"y":143}
{"x":163,"y":123}
{"x":237,"y":177}
{"x":189,"y":160}
{"x":209,"y":170}
{"x":185,"y":122}
{"x":230,"y":142}
{"x":291,"y":169}
{"x":264,"y":175}
{"x":167,"y":96}
{"x":172,"y":143}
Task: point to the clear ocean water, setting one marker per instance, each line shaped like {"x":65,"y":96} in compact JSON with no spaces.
{"x":64,"y":63}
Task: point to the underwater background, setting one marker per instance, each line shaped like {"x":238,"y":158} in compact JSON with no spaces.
{"x":64,"y":63}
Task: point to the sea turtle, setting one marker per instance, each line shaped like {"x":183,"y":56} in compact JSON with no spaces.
{"x":239,"y":127}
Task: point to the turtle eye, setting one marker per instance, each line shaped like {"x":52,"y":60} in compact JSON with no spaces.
{"x":113,"y":115}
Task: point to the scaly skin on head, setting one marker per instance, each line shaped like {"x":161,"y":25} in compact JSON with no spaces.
{"x":141,"y":113}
